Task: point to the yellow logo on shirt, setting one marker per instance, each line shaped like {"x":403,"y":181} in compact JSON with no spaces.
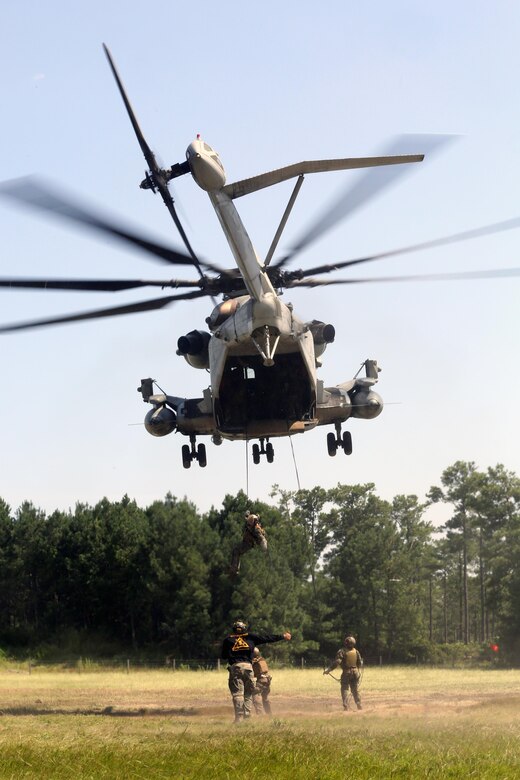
{"x":240,"y":643}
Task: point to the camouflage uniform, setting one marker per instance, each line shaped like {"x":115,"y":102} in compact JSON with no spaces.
{"x":242,"y":687}
{"x":237,"y":650}
{"x":253,"y":534}
{"x":263,"y":684}
{"x":351,"y":663}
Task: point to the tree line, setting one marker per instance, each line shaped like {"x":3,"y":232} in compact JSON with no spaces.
{"x":155,"y":580}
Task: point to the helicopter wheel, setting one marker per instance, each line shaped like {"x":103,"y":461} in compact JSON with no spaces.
{"x":256,"y":454}
{"x":269,"y":452}
{"x":186,"y":456}
{"x":332,"y":444}
{"x":347,"y":442}
{"x":201,"y":455}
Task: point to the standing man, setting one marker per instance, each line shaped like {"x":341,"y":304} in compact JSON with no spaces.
{"x":253,"y":535}
{"x":263,"y":684}
{"x":351,"y":663}
{"x":237,"y":650}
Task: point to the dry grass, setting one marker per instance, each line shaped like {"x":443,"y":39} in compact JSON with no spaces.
{"x":163,"y":724}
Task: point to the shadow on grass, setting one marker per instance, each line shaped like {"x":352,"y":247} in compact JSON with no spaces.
{"x":107,"y":711}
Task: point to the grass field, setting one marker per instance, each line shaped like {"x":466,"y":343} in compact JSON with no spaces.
{"x":416,"y":723}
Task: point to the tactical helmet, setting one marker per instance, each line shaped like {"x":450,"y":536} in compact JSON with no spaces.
{"x":256,"y":653}
{"x":239,"y":627}
{"x":350,"y":641}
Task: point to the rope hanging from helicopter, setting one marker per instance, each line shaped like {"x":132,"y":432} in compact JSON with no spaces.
{"x":295,"y":465}
{"x":247,"y":468}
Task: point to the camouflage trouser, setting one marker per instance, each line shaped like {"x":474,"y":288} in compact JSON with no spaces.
{"x":261,"y":694}
{"x":242,"y":686}
{"x":248,"y":542}
{"x":350,"y":681}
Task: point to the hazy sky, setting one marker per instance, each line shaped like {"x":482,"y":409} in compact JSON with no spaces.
{"x":267,"y":85}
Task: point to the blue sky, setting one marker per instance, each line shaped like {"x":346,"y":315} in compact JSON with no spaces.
{"x":266,"y":85}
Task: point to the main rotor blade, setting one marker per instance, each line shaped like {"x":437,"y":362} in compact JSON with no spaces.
{"x":31,"y":192}
{"x":92,"y":285}
{"x":157,"y":173}
{"x":115,"y":311}
{"x":496,"y":273}
{"x":370,"y":184}
{"x":496,"y":227}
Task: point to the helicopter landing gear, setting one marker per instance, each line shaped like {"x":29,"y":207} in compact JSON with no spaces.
{"x":332,"y":444}
{"x":346,"y":442}
{"x":263,"y":448}
{"x":193,"y":452}
{"x":335,"y":440}
{"x":186,"y":456}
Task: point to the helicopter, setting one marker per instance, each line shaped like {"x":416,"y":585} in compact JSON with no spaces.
{"x":261,"y":356}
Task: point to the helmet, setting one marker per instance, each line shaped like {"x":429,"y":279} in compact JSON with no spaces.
{"x":350,"y":641}
{"x":256,"y":653}
{"x":239,"y":627}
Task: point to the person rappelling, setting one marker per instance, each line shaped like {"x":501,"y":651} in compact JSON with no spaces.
{"x":253,"y":535}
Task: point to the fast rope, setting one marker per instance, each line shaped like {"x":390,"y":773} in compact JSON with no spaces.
{"x":338,"y":679}
{"x":350,"y":697}
{"x":295,"y":466}
{"x":247,"y":468}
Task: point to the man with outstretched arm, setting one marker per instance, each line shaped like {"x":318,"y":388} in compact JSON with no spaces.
{"x":237,"y":650}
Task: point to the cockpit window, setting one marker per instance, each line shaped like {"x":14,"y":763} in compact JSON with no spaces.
{"x":207,"y":147}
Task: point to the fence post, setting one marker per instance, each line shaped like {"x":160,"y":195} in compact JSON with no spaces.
{"x":218,"y":664}
{"x":128,"y":666}
{"x":303,"y":662}
{"x":380,"y":660}
{"x":173,"y":664}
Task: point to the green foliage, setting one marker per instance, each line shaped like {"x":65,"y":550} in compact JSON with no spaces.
{"x":156,"y":580}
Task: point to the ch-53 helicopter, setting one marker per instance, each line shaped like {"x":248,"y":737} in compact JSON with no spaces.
{"x":261,"y":356}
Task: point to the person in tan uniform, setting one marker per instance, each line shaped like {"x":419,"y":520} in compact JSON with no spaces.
{"x":263,"y":684}
{"x":349,"y":658}
{"x":254,"y":535}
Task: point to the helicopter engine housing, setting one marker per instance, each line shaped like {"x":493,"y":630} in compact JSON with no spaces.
{"x":322,"y":334}
{"x":366,"y":404}
{"x":194,"y":348}
{"x":160,"y":421}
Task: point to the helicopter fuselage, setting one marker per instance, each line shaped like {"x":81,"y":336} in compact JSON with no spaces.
{"x":261,"y":356}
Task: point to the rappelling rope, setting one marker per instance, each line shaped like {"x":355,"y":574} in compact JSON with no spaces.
{"x":338,"y":679}
{"x":247,"y":468}
{"x":295,"y":466}
{"x":349,"y":692}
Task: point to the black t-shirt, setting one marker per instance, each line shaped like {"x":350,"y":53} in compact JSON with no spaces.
{"x":238,"y":648}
